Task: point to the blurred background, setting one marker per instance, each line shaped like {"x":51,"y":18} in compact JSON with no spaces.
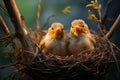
{"x":28,"y":9}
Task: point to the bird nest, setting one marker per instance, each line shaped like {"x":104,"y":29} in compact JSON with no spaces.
{"x":92,"y":66}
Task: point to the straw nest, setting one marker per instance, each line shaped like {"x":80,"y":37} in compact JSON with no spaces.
{"x":93,"y":66}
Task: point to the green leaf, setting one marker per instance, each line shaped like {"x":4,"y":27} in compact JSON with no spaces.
{"x":66,"y":10}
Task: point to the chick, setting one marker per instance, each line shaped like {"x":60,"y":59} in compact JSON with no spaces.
{"x":53,"y":42}
{"x":80,"y":38}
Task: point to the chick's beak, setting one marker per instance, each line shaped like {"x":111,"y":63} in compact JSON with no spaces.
{"x":59,"y":33}
{"x":78,"y":30}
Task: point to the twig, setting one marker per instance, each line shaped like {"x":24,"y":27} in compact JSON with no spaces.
{"x":113,"y":28}
{"x":12,"y":76}
{"x":4,"y":26}
{"x":113,"y":61}
{"x":116,"y":47}
{"x":14,"y":64}
{"x":106,"y":11}
{"x":38,"y":15}
{"x":66,"y":10}
{"x":114,"y":56}
{"x":104,"y":17}
{"x":100,"y":21}
{"x":49,"y":19}
{"x":4,"y":9}
{"x":2,"y":38}
{"x":99,"y":15}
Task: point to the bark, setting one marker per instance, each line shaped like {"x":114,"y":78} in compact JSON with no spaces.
{"x":20,"y":29}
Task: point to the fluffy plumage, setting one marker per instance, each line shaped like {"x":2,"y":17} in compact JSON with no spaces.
{"x":80,"y":38}
{"x":53,"y":42}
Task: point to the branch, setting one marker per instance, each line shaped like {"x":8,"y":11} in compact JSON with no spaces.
{"x":38,"y":15}
{"x":105,"y":14}
{"x":8,"y":66}
{"x":113,"y":28}
{"x":4,"y":26}
{"x":101,"y":24}
{"x":20,"y":28}
{"x":16,"y":17}
{"x":46,"y":23}
{"x":106,"y":11}
{"x":100,"y":21}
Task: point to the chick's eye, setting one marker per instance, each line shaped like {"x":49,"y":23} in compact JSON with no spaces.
{"x":83,"y":26}
{"x":71,"y":26}
{"x":52,"y":28}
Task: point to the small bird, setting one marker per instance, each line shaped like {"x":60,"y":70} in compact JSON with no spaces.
{"x":80,"y":39}
{"x":53,"y":42}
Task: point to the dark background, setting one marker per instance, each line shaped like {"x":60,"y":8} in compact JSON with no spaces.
{"x":28,"y":9}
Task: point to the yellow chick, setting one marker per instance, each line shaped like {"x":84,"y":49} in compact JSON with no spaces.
{"x":53,"y":42}
{"x":80,"y":38}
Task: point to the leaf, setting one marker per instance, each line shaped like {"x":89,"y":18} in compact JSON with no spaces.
{"x":92,"y":16}
{"x":66,"y":10}
{"x":94,"y":5}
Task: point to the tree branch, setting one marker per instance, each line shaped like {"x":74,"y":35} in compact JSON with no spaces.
{"x":46,"y":23}
{"x":38,"y":15}
{"x":8,"y":66}
{"x":106,"y":11}
{"x":4,"y":26}
{"x":16,"y":17}
{"x":105,"y":14}
{"x":20,"y":28}
{"x":113,"y":28}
